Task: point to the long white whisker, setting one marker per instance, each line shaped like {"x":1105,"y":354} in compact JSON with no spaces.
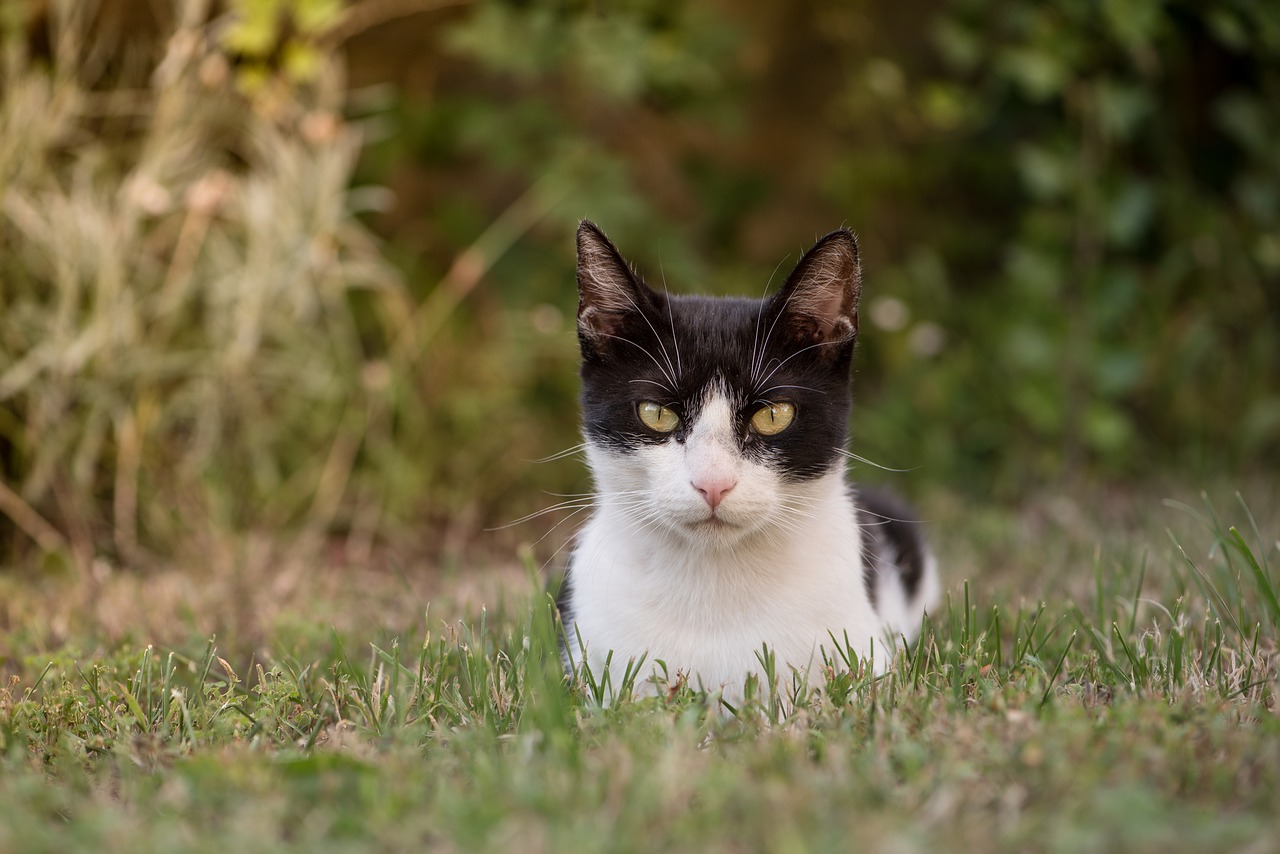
{"x":758,"y":356}
{"x":560,"y":455}
{"x":799,"y":387}
{"x":568,"y":541}
{"x":769,"y":335}
{"x":851,"y":455}
{"x":668,"y":377}
{"x":671,"y":319}
{"x":575,"y":505}
{"x":582,"y":501}
{"x":778,"y":367}
{"x":553,"y":528}
{"x":671,"y":376}
{"x":888,"y":518}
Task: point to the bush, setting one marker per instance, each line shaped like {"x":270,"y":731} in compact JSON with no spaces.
{"x":1067,"y":216}
{"x":179,"y":269}
{"x":1114,"y":309}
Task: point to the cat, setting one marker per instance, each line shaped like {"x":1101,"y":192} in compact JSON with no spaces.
{"x":715,"y":431}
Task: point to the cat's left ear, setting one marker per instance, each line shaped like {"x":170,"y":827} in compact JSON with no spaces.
{"x":819,"y":302}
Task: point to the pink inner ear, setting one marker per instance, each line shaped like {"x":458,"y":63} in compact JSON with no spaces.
{"x":823,"y":303}
{"x":828,"y":310}
{"x":824,"y":289}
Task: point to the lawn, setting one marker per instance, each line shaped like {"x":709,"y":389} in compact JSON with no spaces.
{"x":1102,"y":676}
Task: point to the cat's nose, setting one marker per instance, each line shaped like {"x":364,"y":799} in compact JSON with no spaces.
{"x":713,"y":490}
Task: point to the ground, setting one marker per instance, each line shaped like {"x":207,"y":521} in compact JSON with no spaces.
{"x":1103,"y":676}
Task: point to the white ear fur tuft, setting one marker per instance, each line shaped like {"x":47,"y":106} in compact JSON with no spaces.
{"x":608,"y":289}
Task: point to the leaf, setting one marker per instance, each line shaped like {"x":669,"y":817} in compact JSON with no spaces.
{"x":1039,"y":75}
{"x":1122,"y":108}
{"x":1130,"y":213}
{"x":316,"y":16}
{"x":1133,"y":22}
{"x":1106,"y":428}
{"x":301,"y":61}
{"x":1047,"y":174}
{"x":255,"y":28}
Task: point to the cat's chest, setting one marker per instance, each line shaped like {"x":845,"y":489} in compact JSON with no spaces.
{"x":708,"y":613}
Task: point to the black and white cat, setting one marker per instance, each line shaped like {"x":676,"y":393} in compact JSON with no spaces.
{"x":715,"y":431}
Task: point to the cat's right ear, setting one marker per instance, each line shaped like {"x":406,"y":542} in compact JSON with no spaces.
{"x":608,"y":289}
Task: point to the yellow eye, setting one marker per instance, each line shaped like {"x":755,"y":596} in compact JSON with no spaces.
{"x":773,"y":419}
{"x":658,"y":417}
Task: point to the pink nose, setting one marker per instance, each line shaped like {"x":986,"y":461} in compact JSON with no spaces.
{"x":713,"y":490}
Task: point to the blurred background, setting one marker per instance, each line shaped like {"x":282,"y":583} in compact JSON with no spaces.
{"x":305,"y":267}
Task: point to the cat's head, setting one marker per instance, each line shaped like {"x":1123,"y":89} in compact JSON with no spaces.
{"x":712,"y":418}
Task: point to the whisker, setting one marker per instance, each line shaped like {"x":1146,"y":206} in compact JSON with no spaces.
{"x":582,"y":501}
{"x":566,"y":505}
{"x":851,"y":455}
{"x":553,"y":528}
{"x":567,"y":542}
{"x":758,"y":357}
{"x":671,"y":376}
{"x":667,"y":376}
{"x":778,"y":367}
{"x":671,"y":319}
{"x":888,"y":518}
{"x":600,"y":494}
{"x":560,"y":455}
{"x":764,"y":346}
{"x":800,"y":387}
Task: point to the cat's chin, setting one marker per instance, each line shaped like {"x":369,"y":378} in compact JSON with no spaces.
{"x":712,"y":532}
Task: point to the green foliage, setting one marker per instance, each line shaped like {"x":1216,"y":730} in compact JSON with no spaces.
{"x":1066,"y":213}
{"x":1135,"y":304}
{"x":1067,"y":217}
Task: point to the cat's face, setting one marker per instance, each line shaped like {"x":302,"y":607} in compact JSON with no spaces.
{"x":709,"y":418}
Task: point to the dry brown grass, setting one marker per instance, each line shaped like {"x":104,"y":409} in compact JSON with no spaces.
{"x":180,"y":264}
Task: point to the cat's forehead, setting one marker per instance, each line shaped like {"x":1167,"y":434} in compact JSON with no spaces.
{"x":714,"y":314}
{"x":719,"y":330}
{"x":724,"y":346}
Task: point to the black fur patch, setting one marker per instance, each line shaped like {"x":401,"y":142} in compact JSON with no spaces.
{"x":892,"y":540}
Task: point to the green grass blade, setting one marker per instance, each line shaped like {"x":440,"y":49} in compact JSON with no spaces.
{"x":1265,"y":587}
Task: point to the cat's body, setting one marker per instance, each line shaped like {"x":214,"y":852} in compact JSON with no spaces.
{"x":723,"y":522}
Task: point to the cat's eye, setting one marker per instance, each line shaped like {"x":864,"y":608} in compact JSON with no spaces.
{"x":773,"y":418}
{"x":658,"y":417}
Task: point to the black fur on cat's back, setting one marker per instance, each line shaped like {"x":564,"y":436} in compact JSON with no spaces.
{"x":892,"y":538}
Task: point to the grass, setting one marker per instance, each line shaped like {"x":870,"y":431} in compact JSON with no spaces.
{"x":1132,"y":708}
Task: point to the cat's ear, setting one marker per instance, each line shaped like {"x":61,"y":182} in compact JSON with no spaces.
{"x":608,"y":289}
{"x":819,"y":302}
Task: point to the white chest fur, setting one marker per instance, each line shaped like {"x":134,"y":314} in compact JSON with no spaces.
{"x":705,"y":605}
